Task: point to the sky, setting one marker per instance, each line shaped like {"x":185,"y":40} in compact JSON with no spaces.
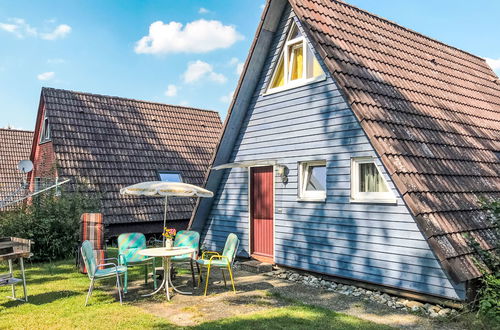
{"x":185,"y":52}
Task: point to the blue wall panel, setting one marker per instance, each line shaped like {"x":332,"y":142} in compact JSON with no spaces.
{"x":371,"y":242}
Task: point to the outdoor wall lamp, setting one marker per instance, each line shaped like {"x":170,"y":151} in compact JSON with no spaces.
{"x":283,"y":173}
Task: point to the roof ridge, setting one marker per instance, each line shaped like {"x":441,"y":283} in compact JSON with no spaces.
{"x":127,"y":99}
{"x":342,"y":2}
{"x":16,"y":129}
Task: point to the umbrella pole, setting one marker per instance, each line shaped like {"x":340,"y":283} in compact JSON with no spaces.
{"x":165,"y":219}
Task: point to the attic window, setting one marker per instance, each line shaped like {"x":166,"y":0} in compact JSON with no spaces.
{"x":367,"y":183}
{"x":45,"y":136}
{"x":297,"y":64}
{"x":169,"y":176}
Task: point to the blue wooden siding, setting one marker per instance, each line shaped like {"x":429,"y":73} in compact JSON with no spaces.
{"x":370,"y":242}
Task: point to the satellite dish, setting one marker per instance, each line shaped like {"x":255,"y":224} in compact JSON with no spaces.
{"x":25,"y":166}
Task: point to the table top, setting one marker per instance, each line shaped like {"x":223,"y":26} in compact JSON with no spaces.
{"x":9,"y":244}
{"x":166,"y":252}
{"x":15,"y":255}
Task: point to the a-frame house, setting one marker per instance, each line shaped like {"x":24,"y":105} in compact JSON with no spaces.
{"x":357,"y":148}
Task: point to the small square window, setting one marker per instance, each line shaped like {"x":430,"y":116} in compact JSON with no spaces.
{"x":367,"y":182}
{"x":312,"y":181}
{"x":168,"y":176}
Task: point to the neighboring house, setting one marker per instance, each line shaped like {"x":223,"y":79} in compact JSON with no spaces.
{"x":105,"y":143}
{"x":357,"y":148}
{"x":15,"y":145}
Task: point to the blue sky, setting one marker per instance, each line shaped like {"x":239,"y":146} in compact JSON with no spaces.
{"x":192,"y":53}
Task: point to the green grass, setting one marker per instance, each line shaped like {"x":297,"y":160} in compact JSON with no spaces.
{"x":293,"y":317}
{"x":57,"y":294}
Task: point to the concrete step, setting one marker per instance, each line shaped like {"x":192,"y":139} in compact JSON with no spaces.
{"x":255,"y":266}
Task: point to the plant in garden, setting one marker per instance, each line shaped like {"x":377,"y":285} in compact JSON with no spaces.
{"x":489,"y":293}
{"x":51,"y":220}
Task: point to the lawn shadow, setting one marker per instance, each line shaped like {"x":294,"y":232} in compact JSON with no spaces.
{"x":42,"y":280}
{"x":42,"y":298}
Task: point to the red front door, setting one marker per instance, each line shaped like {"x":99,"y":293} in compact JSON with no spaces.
{"x":261,"y":213}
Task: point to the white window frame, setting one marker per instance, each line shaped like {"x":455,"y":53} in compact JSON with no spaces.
{"x":308,"y":195}
{"x":368,"y":197}
{"x":45,"y":133}
{"x":160,"y":172}
{"x":285,"y":53}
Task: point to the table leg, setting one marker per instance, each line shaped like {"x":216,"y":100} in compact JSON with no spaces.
{"x":11,"y":271}
{"x":21,"y":263}
{"x":166,"y":275}
{"x":173,"y":286}
{"x":163,"y":283}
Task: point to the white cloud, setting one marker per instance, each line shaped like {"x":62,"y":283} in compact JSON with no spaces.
{"x":21,"y":29}
{"x":199,"y":36}
{"x":203,"y":11}
{"x":18,"y":27}
{"x":199,"y":70}
{"x":8,"y":27}
{"x":239,"y":68}
{"x":46,"y":76}
{"x":262,"y":6}
{"x":227,"y":98}
{"x":184,"y":103}
{"x":171,"y":90}
{"x":59,"y":32}
{"x":233,"y":61}
{"x":494,"y":64}
{"x":237,"y":64}
{"x":217,"y":77}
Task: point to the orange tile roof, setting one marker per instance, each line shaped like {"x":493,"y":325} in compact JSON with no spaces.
{"x":15,"y":145}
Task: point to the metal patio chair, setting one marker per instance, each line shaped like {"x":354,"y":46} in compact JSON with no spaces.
{"x":190,"y":239}
{"x":96,"y":272}
{"x":222,"y":261}
{"x":129,"y":245}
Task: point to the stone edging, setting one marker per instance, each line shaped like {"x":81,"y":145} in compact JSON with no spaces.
{"x":430,"y":310}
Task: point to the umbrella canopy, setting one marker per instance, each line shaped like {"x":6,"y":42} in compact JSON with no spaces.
{"x":164,"y":189}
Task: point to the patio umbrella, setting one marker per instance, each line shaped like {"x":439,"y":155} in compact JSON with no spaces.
{"x":165,"y":189}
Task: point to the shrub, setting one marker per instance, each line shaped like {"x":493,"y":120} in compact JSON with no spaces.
{"x":489,"y":298}
{"x":489,"y":293}
{"x":51,"y":221}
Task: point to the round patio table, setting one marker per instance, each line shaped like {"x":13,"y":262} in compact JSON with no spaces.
{"x":166,"y":254}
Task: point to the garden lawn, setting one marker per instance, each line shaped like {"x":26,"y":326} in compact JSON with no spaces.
{"x":57,"y":293}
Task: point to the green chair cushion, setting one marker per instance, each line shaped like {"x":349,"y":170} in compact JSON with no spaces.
{"x":231,"y":246}
{"x":136,"y":258}
{"x":129,"y":245}
{"x":189,"y":239}
{"x":215,"y":262}
{"x":110,"y":271}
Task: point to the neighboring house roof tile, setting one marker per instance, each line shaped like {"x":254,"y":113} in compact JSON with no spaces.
{"x":109,"y":142}
{"x":431,"y":111}
{"x":15,"y":145}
